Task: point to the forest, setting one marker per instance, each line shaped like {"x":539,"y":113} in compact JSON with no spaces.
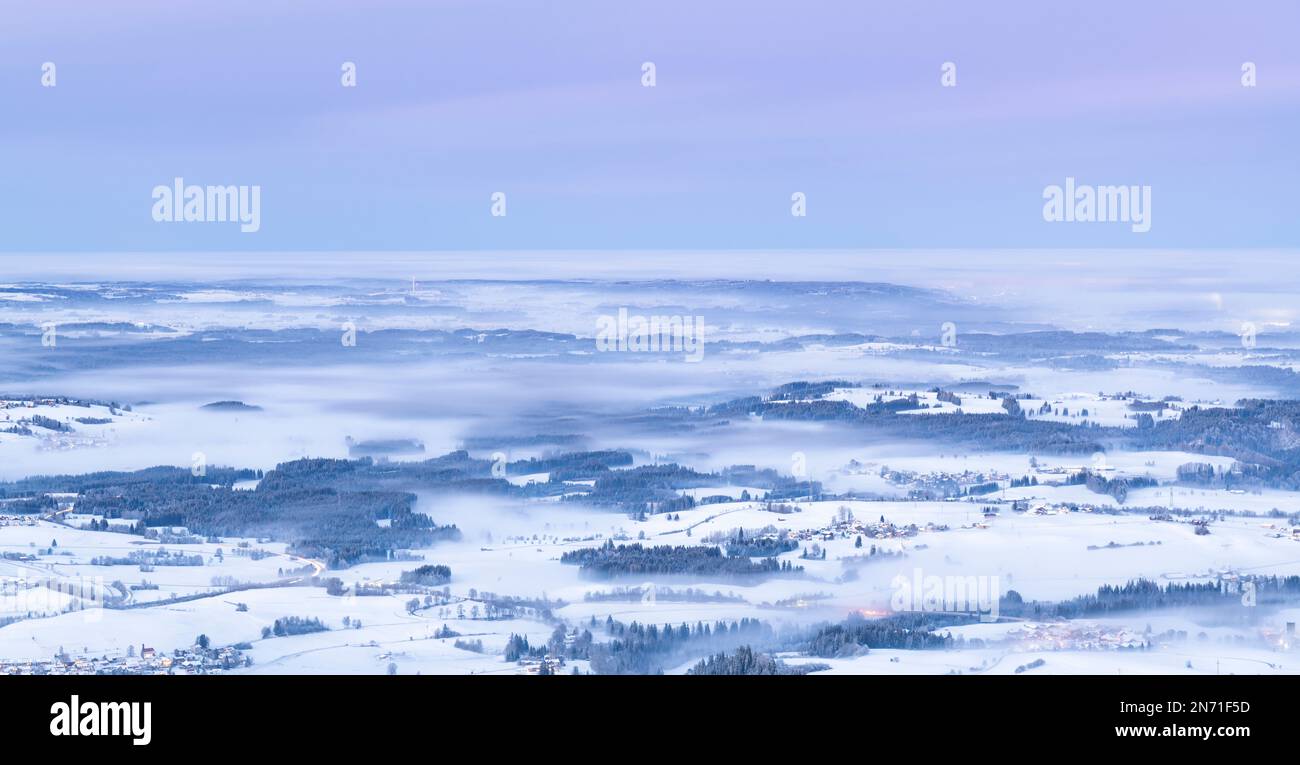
{"x":647,"y":649}
{"x":1142,"y":594}
{"x":746,"y":661}
{"x":910,"y":631}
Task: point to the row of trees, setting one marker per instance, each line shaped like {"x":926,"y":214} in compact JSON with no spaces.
{"x":610,"y":560}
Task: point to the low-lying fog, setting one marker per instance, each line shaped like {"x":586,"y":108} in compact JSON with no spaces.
{"x":311,"y":404}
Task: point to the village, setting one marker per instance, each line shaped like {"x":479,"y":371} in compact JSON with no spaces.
{"x":195,"y":660}
{"x":847,"y":527}
{"x":1082,"y":636}
{"x":1075,"y":636}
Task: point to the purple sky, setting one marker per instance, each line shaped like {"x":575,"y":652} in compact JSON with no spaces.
{"x":543,"y":101}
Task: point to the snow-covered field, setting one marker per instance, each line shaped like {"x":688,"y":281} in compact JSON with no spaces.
{"x":1046,"y":553}
{"x":93,"y":426}
{"x":1036,"y":555}
{"x":1049,"y":540}
{"x":1068,"y":407}
{"x":1190,"y":659}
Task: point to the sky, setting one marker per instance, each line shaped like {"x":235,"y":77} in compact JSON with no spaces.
{"x":544,"y":101}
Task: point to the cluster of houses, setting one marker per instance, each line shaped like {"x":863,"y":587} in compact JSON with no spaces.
{"x":1283,"y":640}
{"x":183,"y":661}
{"x":943,"y":483}
{"x":546,"y":665}
{"x":17,"y":520}
{"x":849,"y":529}
{"x":1276,"y":531}
{"x":1067,"y":636}
{"x":1059,"y":508}
{"x":1072,"y":636}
